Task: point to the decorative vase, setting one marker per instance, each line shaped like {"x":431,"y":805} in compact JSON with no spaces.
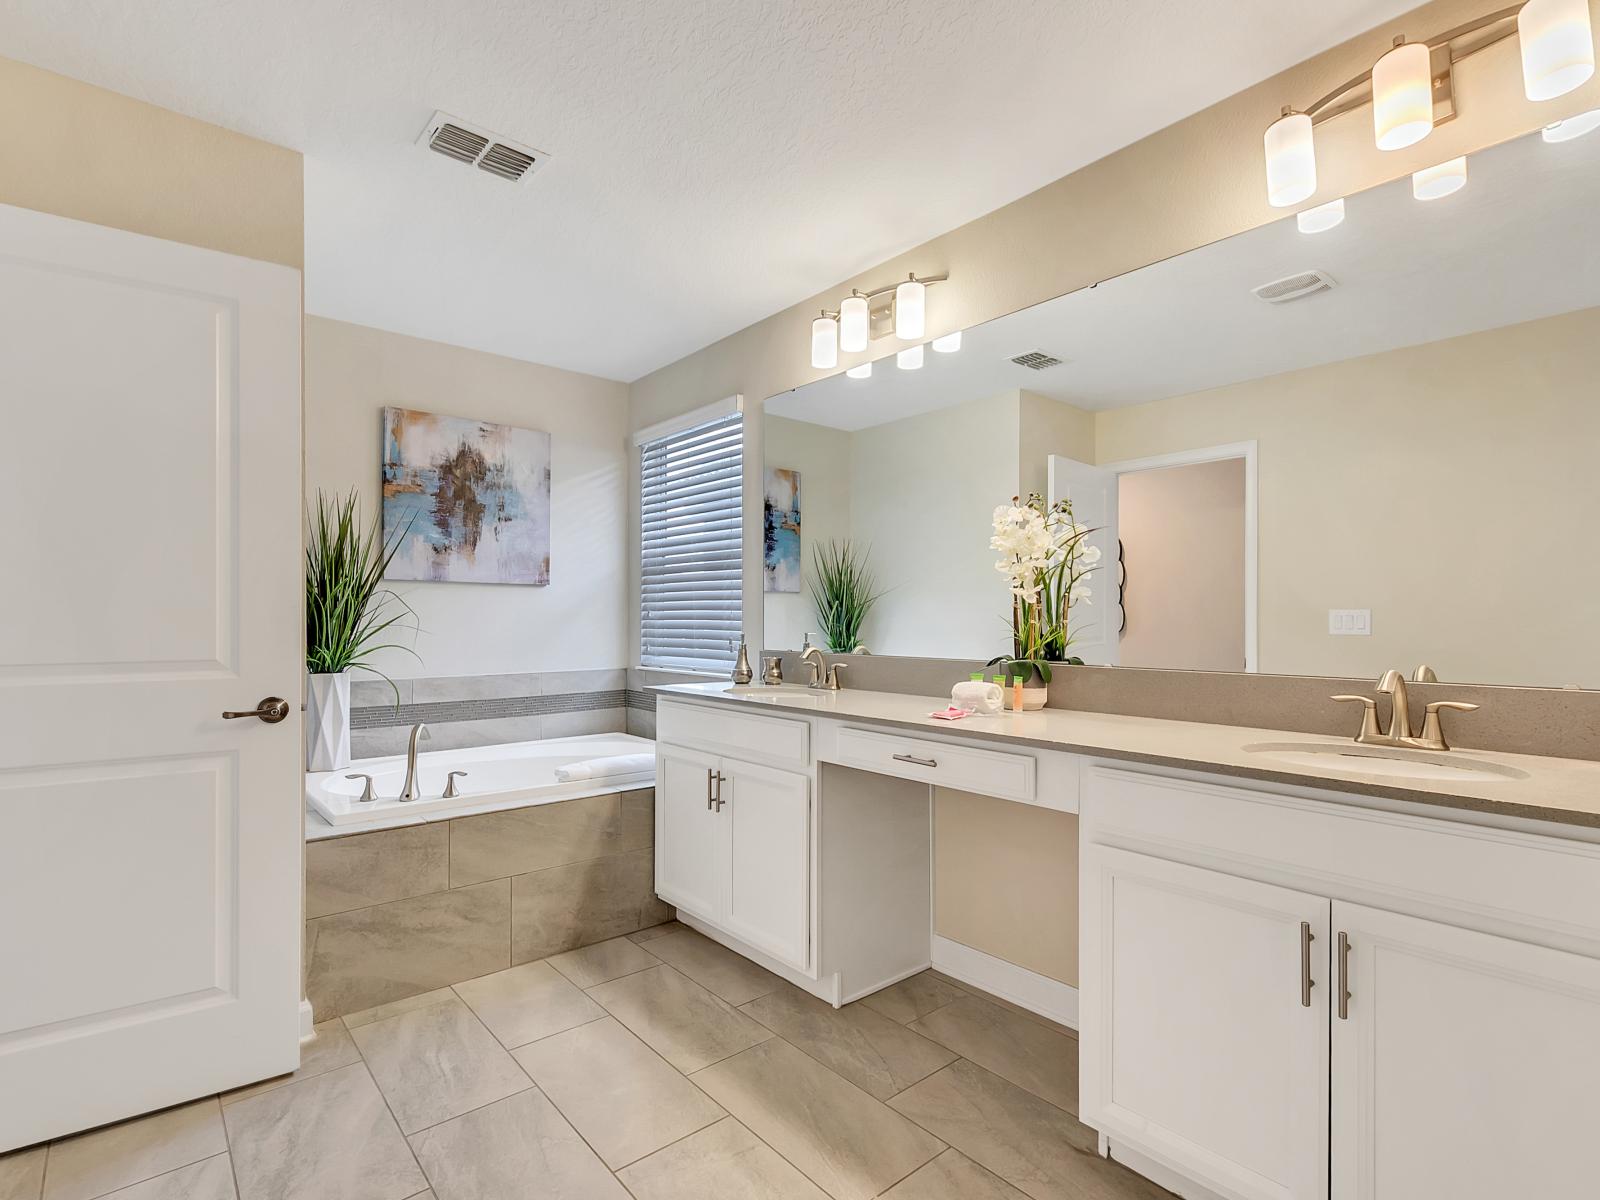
{"x":328,"y":722}
{"x":1035,"y":691}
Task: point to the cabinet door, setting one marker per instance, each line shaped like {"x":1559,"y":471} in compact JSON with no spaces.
{"x":1202,"y":1044}
{"x":1466,"y":1066}
{"x":768,"y":816}
{"x":691,"y":847}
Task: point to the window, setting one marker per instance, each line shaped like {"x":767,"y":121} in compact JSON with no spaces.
{"x":691,"y":546}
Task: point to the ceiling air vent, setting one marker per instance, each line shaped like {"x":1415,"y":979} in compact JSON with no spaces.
{"x":1036,"y":360}
{"x":475,"y":146}
{"x":1295,"y":287}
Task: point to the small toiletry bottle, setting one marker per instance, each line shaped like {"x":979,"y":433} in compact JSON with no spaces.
{"x":1005,"y":692}
{"x":1016,"y":693}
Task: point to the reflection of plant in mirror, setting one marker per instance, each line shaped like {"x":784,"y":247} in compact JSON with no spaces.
{"x":1046,"y":557}
{"x":842,"y":591}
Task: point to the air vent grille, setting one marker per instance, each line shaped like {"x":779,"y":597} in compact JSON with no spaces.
{"x":455,"y":142}
{"x":505,"y":162}
{"x":475,"y":146}
{"x":1295,"y":287}
{"x":1036,"y":360}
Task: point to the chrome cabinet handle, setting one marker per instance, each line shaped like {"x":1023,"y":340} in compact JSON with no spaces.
{"x":912,"y":758}
{"x":709,"y":800}
{"x":718,"y":801}
{"x":450,"y":792}
{"x":1306,"y":982}
{"x":1344,"y":976}
{"x":367,"y":794}
{"x":271,"y":710}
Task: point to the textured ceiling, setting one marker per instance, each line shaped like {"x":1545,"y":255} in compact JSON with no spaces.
{"x":713,"y":161}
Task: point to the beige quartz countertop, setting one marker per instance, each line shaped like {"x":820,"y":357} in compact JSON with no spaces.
{"x":1558,"y":790}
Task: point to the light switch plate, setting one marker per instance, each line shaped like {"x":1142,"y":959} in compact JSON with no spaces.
{"x":1350,"y":622}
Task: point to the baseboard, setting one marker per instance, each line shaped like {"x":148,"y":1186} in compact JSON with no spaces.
{"x":1027,"y":989}
{"x":307,"y":1021}
{"x":1157,"y":1172}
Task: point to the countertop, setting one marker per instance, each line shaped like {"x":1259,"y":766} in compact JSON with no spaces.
{"x":1556,"y":790}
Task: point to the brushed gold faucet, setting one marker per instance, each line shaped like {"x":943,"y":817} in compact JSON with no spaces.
{"x":1399,"y":733}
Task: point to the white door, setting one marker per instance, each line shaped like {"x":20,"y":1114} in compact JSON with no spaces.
{"x":1205,"y":1023}
{"x":1097,"y":626}
{"x":150,"y":851}
{"x":691,"y":849}
{"x":1466,"y":1065}
{"x":768,"y":818}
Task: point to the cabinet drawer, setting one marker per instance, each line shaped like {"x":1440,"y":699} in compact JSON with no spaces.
{"x":966,"y":768}
{"x":777,"y":740}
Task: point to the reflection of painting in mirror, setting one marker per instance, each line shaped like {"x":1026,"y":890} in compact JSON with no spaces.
{"x":781,"y":520}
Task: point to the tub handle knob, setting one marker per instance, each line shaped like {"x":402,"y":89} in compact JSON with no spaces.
{"x":450,"y":792}
{"x":367,"y":794}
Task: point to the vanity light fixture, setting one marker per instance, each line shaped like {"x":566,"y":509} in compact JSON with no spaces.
{"x":825,"y":342}
{"x":910,"y":310}
{"x":1321,"y":218}
{"x":909,"y":359}
{"x":1572,"y":127}
{"x":900,"y":308}
{"x":855,"y":323}
{"x":1412,"y":87}
{"x":948,"y":344}
{"x":1435,"y":183}
{"x":861,"y":371}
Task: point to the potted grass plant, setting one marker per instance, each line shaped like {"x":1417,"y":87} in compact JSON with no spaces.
{"x":843,"y":593}
{"x":350,"y":617}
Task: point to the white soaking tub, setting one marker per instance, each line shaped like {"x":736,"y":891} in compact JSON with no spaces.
{"x":515,"y":775}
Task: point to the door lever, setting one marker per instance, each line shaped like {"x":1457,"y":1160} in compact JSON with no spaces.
{"x":271,"y":710}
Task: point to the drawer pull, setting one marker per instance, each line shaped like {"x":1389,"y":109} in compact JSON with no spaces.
{"x":914,"y":760}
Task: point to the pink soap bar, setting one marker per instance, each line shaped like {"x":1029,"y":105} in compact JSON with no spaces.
{"x":950,"y":714}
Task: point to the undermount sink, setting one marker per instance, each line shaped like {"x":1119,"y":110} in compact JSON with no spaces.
{"x":1395,"y":761}
{"x":796,"y":694}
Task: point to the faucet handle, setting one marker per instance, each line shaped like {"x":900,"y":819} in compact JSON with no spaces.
{"x":367,"y":794}
{"x":1369,"y":717}
{"x":450,"y":792}
{"x":1433,"y":730}
{"x":833,"y":675}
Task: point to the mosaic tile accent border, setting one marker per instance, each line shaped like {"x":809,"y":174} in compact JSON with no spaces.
{"x":438,"y":712}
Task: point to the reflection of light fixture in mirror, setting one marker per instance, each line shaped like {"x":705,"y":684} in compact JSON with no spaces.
{"x":1321,"y":218}
{"x":949,"y":343}
{"x":910,"y":310}
{"x":1557,"y":47}
{"x":1402,"y":96}
{"x":1291,"y":160}
{"x":824,"y":343}
{"x":909,"y":359}
{"x":1434,"y":183}
{"x":864,"y":371}
{"x":854,"y":323}
{"x":1572,"y":127}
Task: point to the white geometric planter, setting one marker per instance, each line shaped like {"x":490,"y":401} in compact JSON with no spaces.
{"x":328,"y":722}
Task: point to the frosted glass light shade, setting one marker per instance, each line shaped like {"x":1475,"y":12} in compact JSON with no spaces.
{"x":854,"y":323}
{"x":1291,"y":160}
{"x":1557,"y":47}
{"x":1572,"y":127}
{"x":864,"y":371}
{"x":1402,"y":96}
{"x":949,"y":343}
{"x":910,"y":310}
{"x":824,"y":343}
{"x":1321,"y":218}
{"x":1434,"y":183}
{"x":909,"y":359}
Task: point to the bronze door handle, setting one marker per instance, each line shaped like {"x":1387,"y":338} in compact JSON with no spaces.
{"x":271,"y":710}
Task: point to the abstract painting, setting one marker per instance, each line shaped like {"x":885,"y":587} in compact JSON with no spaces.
{"x":781,"y":556}
{"x":471,"y":497}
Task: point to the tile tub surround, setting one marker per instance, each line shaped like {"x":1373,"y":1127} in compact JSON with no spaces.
{"x":395,"y":913}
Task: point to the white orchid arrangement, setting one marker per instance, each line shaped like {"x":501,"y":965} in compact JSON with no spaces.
{"x":1046,"y":557}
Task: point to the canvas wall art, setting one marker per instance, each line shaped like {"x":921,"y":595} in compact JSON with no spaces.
{"x":473,"y":498}
{"x":781,"y":560}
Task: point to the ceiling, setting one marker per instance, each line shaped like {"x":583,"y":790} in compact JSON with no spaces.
{"x":713,"y":161}
{"x":1506,"y":248}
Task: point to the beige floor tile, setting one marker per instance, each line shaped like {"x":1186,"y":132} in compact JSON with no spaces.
{"x":849,"y":1144}
{"x":527,"y":1003}
{"x":327,"y":1136}
{"x":912,"y":998}
{"x":1034,"y":1146}
{"x":208,"y":1179}
{"x":436,"y":1063}
{"x":879,"y":1056}
{"x":656,"y":931}
{"x":616,"y":1091}
{"x":603,"y":962}
{"x":1009,"y":1044}
{"x":952,"y":1176}
{"x":394,"y":1008}
{"x":514,"y":1148}
{"x":722,"y":1162}
{"x":1036,"y":1018}
{"x":714,"y":967}
{"x":22,"y":1174}
{"x":679,"y":1019}
{"x":103,"y":1160}
{"x":329,"y":1049}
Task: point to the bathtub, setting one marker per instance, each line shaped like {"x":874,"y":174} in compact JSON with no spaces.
{"x":507,"y":776}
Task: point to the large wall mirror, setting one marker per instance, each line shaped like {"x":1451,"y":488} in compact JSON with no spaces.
{"x":1310,"y":453}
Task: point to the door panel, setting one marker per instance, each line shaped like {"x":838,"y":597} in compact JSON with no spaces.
{"x":690,"y":836}
{"x":1466,"y":1067}
{"x":1093,"y":491}
{"x":151,"y":393}
{"x":768,"y":815}
{"x":1204,"y":1052}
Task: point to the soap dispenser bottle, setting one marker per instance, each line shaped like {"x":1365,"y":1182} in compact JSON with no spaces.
{"x":741,"y":668}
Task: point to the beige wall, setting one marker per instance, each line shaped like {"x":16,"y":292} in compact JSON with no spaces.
{"x":1182,"y":532}
{"x":579,"y":621}
{"x":1049,"y":427}
{"x":92,"y":155}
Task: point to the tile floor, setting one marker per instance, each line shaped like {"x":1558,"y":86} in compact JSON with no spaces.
{"x":659,"y":1066}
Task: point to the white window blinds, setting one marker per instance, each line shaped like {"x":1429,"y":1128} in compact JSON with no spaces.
{"x":691,"y":518}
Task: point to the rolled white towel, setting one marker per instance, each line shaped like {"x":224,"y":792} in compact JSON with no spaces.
{"x":602,"y":768}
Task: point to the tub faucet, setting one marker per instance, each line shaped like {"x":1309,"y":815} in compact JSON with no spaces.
{"x":411,"y":791}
